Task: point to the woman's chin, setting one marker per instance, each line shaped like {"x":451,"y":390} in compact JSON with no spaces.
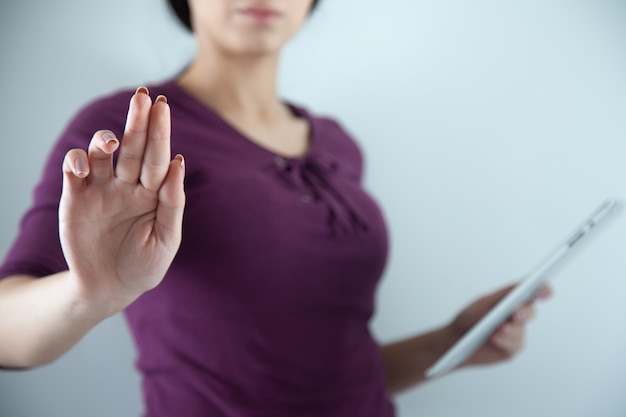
{"x":256,"y":48}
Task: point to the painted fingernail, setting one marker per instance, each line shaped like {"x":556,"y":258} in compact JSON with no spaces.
{"x":181,"y":159}
{"x":81,"y":166}
{"x":161,"y":98}
{"x":108,"y":137}
{"x":143,"y":90}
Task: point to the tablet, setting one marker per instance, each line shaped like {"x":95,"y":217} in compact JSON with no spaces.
{"x":476,"y":336}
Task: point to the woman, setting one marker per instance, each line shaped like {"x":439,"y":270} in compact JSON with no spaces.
{"x":258,"y":302}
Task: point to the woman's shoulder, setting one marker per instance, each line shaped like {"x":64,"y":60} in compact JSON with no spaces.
{"x":334,"y":137}
{"x":334,"y":128}
{"x":328,"y":125}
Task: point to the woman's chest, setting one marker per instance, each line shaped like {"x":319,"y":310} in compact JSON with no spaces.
{"x":301,"y":235}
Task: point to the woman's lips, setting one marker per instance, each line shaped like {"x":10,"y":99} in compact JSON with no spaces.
{"x":260,"y":14}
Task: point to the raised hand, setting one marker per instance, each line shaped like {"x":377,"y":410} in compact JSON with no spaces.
{"x":120,"y":229}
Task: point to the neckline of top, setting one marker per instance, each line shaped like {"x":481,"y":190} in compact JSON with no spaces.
{"x":275,"y":156}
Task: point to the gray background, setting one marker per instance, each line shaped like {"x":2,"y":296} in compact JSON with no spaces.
{"x":491,"y":128}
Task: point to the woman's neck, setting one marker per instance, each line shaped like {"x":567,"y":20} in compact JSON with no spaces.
{"x":229,"y":84}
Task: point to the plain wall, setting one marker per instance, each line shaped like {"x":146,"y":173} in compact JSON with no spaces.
{"x":490,"y":128}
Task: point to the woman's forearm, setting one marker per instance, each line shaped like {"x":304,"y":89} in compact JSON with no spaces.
{"x":41,"y":319}
{"x":407,"y":360}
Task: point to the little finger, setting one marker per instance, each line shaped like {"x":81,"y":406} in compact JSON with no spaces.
{"x":75,"y":170}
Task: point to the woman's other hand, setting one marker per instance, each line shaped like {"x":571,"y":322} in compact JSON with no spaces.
{"x":508,"y":339}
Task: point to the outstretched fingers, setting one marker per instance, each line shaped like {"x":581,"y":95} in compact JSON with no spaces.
{"x":145,"y":151}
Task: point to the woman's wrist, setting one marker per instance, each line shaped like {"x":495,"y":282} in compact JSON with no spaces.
{"x":91,"y":304}
{"x":406,"y":361}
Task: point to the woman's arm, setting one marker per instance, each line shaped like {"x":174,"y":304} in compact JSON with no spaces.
{"x":41,"y":318}
{"x":119,"y":231}
{"x":407,"y":360}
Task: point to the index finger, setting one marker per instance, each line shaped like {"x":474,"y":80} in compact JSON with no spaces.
{"x":133,"y":143}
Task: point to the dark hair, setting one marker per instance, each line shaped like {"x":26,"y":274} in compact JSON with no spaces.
{"x":181,"y":8}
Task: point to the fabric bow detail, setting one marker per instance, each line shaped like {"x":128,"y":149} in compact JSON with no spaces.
{"x":314,"y":174}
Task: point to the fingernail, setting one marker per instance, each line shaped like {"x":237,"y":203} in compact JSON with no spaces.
{"x":108,"y":137}
{"x":161,"y":98}
{"x":143,"y":90}
{"x":519,"y":316}
{"x":181,"y":159}
{"x":81,"y":166}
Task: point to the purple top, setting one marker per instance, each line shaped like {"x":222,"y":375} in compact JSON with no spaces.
{"x":265,"y":309}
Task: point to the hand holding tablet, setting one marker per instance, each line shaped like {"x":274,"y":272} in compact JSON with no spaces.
{"x":521,"y":294}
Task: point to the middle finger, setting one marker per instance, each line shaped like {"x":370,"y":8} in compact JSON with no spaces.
{"x":156,"y":159}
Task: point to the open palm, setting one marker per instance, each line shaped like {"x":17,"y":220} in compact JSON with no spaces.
{"x":120,"y":228}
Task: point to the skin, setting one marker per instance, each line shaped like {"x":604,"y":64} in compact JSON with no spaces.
{"x":235,"y":73}
{"x":236,"y":67}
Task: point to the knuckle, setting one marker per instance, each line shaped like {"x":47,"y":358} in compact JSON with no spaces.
{"x":154,"y":165}
{"x":130,"y":156}
{"x":134,"y":130}
{"x":158,"y":136}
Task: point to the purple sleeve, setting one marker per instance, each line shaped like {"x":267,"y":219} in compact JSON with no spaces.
{"x":36,"y":249}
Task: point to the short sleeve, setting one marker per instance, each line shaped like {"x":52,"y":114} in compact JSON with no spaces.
{"x":36,"y":249}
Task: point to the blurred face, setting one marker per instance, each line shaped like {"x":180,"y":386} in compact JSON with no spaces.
{"x":248,"y":27}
